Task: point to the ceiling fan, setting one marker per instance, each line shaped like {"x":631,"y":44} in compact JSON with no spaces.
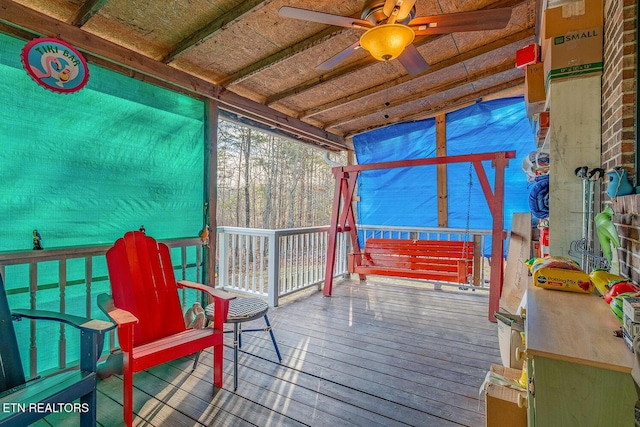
{"x":391,"y":26}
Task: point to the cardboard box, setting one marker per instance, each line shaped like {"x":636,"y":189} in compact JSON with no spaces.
{"x":509,"y":339}
{"x":573,"y":54}
{"x":501,"y":403}
{"x":631,"y":308}
{"x":574,"y":16}
{"x":534,"y":90}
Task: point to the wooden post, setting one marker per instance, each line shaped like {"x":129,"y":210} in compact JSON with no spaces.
{"x":210,"y":189}
{"x":477,"y":262}
{"x":441,"y":171}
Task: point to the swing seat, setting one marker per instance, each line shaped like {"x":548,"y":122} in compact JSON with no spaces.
{"x":436,"y":260}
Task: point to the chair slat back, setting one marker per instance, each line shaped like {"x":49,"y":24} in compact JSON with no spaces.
{"x":11,"y":372}
{"x":143,"y":283}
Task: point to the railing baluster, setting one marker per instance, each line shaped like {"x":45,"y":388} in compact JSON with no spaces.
{"x":88,"y":279}
{"x":247,"y":258}
{"x":253,"y":262}
{"x":33,"y":349}
{"x":62,"y":344}
{"x":183,"y":272}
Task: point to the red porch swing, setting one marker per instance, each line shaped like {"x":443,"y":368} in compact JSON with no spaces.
{"x":343,"y":220}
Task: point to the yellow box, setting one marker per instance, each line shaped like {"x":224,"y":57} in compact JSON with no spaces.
{"x":501,"y":403}
{"x":576,"y":15}
{"x":564,"y":280}
{"x":573,"y":54}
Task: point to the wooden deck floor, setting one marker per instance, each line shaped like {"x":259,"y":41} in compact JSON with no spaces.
{"x":387,"y":353}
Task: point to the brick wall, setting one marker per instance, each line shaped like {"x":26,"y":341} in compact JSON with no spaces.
{"x":618,"y":84}
{"x":618,"y":111}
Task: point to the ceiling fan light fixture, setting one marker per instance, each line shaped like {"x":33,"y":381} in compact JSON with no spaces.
{"x":386,"y":42}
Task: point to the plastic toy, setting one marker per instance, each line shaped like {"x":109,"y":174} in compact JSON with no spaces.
{"x":37,"y":241}
{"x":619,"y":289}
{"x":606,"y":231}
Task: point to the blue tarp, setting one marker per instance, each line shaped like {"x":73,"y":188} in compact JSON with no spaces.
{"x":408,"y":196}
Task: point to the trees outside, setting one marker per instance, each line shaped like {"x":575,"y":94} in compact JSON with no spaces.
{"x":267,"y":181}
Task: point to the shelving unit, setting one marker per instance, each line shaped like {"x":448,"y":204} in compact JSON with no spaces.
{"x":579,"y":372}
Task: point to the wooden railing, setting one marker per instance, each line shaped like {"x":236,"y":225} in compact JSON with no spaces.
{"x":246,"y":260}
{"x":265,"y":263}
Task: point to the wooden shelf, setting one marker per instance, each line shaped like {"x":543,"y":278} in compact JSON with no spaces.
{"x":574,"y":327}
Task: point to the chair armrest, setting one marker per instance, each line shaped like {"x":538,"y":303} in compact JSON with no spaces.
{"x":124,"y":319}
{"x":216,"y":293}
{"x":220,"y":300}
{"x":92,"y":332}
{"x":82,"y":323}
{"x":119,"y":316}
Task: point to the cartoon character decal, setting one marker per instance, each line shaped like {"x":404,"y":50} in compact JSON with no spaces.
{"x":55,"y":65}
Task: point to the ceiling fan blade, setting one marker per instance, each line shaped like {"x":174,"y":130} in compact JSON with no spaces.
{"x":412,"y":61}
{"x":478,"y":20}
{"x":323,"y":18}
{"x":334,"y":60}
{"x":403,"y":11}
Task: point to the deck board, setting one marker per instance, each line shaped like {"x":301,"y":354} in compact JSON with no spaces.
{"x":384,"y":353}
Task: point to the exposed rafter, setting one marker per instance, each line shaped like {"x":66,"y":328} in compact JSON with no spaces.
{"x":16,"y":15}
{"x":280,"y":56}
{"x":368,"y":61}
{"x":465,"y":56}
{"x":236,"y":59}
{"x":423,"y":94}
{"x":427,"y":113}
{"x":244,"y":9}
{"x":86,"y":11}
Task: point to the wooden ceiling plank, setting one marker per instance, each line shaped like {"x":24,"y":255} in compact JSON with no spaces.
{"x":463,"y":101}
{"x":357,"y":66}
{"x":244,"y":9}
{"x":87,"y":11}
{"x":282,"y":55}
{"x":507,"y":66}
{"x":16,"y":15}
{"x":449,"y":62}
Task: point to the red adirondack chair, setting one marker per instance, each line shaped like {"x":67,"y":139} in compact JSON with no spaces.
{"x":145,"y":305}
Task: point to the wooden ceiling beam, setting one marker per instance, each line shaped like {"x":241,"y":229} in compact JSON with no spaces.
{"x":507,"y":66}
{"x":369,"y":60}
{"x":462,"y":101}
{"x":282,"y":55}
{"x":88,"y":9}
{"x":24,"y":18}
{"x":449,"y":62}
{"x":244,"y":9}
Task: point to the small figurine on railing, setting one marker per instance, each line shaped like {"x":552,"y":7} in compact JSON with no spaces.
{"x":204,"y":235}
{"x":37,"y":238}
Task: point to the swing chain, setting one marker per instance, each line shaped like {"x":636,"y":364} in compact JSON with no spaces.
{"x":467,"y":234}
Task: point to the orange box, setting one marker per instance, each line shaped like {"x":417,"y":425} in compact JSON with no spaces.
{"x":534,"y":91}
